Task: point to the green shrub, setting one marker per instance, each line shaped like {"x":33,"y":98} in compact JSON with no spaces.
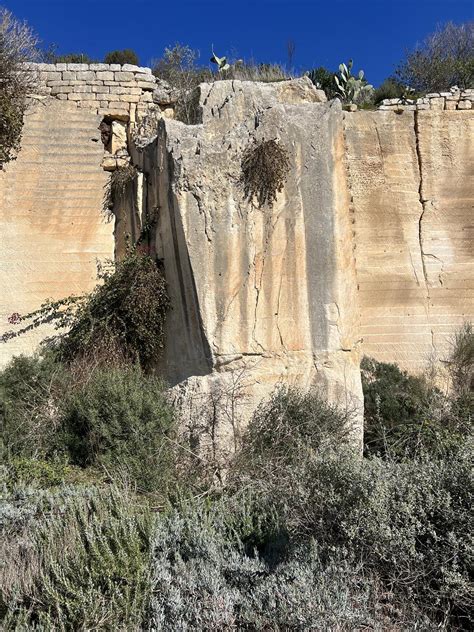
{"x":406,"y":416}
{"x":461,"y":360}
{"x":119,"y":420}
{"x":324,"y":80}
{"x":389,"y":89}
{"x":113,"y":419}
{"x":83,"y":565}
{"x":24,"y":471}
{"x":124,"y":316}
{"x":408,"y":523}
{"x":121,"y":320}
{"x":29,"y":387}
{"x":126,"y":56}
{"x":290,"y":426}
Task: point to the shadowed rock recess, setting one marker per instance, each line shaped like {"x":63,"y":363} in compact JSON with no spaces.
{"x":366,"y":249}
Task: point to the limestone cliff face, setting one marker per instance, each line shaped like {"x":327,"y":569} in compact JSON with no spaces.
{"x":412,"y":182}
{"x":51,"y":227}
{"x":267,"y":293}
{"x":367,"y":249}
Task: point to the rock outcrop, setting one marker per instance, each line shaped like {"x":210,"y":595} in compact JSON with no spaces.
{"x":267,"y":294}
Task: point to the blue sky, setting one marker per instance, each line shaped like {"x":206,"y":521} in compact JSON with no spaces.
{"x":375,"y":33}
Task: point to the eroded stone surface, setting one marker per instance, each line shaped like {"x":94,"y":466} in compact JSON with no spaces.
{"x":266,"y":293}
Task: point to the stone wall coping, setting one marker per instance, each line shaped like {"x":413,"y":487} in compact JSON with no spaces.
{"x":60,"y":67}
{"x":455,"y":99}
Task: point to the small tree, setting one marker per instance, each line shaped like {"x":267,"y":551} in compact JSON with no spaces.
{"x":18,"y":44}
{"x":179,"y":67}
{"x":444,"y":59}
{"x":126,"y":56}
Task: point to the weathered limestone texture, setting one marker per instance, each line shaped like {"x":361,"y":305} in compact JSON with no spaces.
{"x":268,"y":293}
{"x":367,"y":249}
{"x":51,"y":227}
{"x":412,"y":182}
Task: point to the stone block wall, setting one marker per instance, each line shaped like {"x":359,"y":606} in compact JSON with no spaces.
{"x":121,"y":92}
{"x":455,"y":99}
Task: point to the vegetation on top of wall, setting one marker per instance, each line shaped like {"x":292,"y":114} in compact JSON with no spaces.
{"x":265,"y":166}
{"x":353,"y":89}
{"x":125,"y":56}
{"x":51,"y":56}
{"x":390,"y":89}
{"x":444,"y":59}
{"x":18,"y":44}
{"x":323,"y":79}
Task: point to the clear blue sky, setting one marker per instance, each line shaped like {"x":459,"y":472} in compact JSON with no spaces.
{"x":375,"y":33}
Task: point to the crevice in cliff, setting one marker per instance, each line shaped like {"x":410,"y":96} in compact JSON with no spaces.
{"x":202,"y":212}
{"x":423,"y":202}
{"x":278,"y":312}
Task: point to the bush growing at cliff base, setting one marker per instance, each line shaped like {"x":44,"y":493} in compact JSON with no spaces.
{"x":121,"y":320}
{"x":303,"y":534}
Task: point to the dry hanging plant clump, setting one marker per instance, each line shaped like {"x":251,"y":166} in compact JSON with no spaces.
{"x":265,"y":167}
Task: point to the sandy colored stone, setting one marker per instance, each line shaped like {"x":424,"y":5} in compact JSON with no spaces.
{"x":414,"y":252}
{"x":52,"y":230}
{"x":267,"y":293}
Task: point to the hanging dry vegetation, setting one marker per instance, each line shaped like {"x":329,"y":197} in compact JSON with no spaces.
{"x":265,"y":166}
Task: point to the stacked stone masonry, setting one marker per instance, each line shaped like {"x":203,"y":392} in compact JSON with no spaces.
{"x":455,"y":99}
{"x":119,"y":91}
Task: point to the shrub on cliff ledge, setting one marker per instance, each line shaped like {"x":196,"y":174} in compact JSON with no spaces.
{"x":18,"y":44}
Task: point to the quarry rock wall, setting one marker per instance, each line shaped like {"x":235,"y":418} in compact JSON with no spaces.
{"x":267,"y":293}
{"x":366,"y":250}
{"x":411,"y":176}
{"x":52,"y":230}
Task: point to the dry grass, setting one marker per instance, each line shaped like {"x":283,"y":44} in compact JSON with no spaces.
{"x":265,"y":166}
